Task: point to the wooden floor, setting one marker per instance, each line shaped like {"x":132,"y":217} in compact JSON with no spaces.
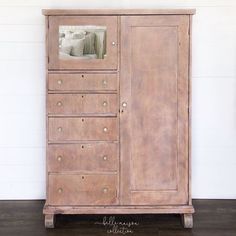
{"x":24,"y":218}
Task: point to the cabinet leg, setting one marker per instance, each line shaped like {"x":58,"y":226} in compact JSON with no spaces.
{"x":49,"y":220}
{"x":187,"y":220}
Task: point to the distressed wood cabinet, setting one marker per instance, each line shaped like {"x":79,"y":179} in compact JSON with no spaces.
{"x":118,"y":112}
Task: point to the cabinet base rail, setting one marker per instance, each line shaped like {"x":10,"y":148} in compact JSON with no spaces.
{"x":186,"y":212}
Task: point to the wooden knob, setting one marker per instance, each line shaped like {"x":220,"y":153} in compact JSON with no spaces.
{"x":59,"y":158}
{"x":104,"y":158}
{"x":105,"y":190}
{"x":105,"y":129}
{"x":59,"y":104}
{"x":59,"y":81}
{"x":59,"y":129}
{"x":104,"y":103}
{"x":60,"y":190}
{"x":124,"y":104}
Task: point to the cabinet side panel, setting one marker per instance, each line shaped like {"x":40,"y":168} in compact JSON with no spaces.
{"x":46,"y":98}
{"x":190,"y":110}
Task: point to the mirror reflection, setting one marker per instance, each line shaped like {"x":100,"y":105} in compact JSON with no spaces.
{"x":82,"y":42}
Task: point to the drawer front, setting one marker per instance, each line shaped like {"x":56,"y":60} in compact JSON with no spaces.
{"x":83,"y":157}
{"x":87,"y":104}
{"x":82,"y":82}
{"x":90,"y":129}
{"x":82,"y":189}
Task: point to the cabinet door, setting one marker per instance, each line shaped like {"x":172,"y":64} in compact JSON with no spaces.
{"x":154,"y":110}
{"x":83,"y":42}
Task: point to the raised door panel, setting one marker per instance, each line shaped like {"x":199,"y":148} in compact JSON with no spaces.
{"x":83,"y":42}
{"x":154,"y":119}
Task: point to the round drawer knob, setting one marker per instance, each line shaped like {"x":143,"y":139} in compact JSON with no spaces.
{"x":59,"y":129}
{"x":105,"y":129}
{"x":59,"y":158}
{"x":60,"y":190}
{"x":124,"y":104}
{"x":104,"y":103}
{"x":59,"y":104}
{"x":113,"y":43}
{"x":104,"y":82}
{"x":59,"y":82}
{"x":104,"y":158}
{"x":105,"y":190}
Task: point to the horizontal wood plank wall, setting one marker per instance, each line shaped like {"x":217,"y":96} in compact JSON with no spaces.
{"x":22,"y":93}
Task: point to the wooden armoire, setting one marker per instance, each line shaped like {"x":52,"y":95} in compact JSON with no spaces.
{"x":118,"y":112}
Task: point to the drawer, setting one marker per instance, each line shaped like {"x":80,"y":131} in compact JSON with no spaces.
{"x":76,"y":189}
{"x":82,"y":104}
{"x":83,"y":157}
{"x":82,"y":82}
{"x":88,"y":129}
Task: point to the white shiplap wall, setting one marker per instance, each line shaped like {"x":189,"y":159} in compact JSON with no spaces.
{"x":22,"y":93}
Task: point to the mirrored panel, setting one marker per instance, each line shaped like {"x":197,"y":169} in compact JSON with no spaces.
{"x":82,"y":42}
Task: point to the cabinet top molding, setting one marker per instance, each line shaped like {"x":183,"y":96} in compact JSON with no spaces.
{"x":74,"y":12}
